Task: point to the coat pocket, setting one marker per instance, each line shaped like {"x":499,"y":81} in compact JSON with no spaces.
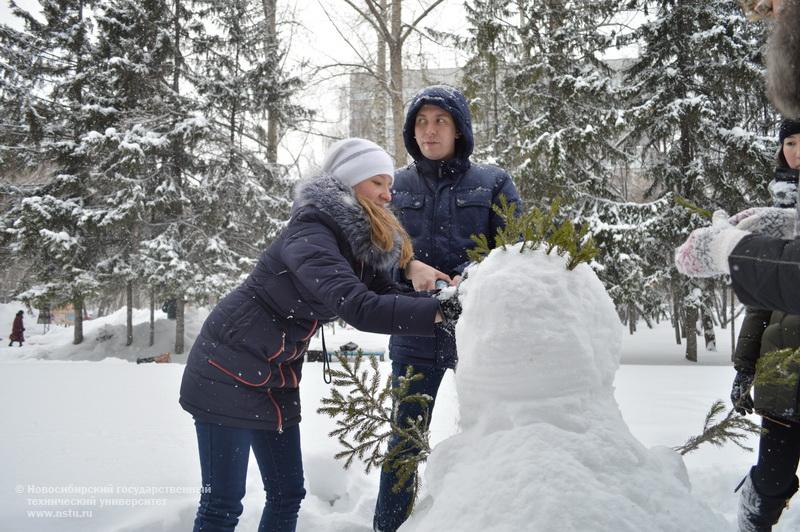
{"x":410,"y":207}
{"x":473,"y":210}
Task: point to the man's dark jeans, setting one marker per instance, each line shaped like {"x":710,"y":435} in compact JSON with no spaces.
{"x":392,"y":508}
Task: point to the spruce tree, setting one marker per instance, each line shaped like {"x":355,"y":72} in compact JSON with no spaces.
{"x":697,"y":114}
{"x":556,"y":119}
{"x":239,"y":79}
{"x":135,"y":60}
{"x":55,"y":224}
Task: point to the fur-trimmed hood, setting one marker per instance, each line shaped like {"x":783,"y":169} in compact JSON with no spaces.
{"x":337,"y":200}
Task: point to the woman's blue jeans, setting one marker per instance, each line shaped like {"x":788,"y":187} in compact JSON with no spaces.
{"x":224,"y":453}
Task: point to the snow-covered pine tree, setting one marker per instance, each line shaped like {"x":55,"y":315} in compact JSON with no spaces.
{"x":239,"y":78}
{"x":23,"y":107}
{"x":556,"y":115}
{"x":218,"y":202}
{"x":698,"y":115}
{"x":55,"y":224}
{"x":175,"y":230}
{"x":633,"y":261}
{"x":134,"y":58}
{"x":490,"y":40}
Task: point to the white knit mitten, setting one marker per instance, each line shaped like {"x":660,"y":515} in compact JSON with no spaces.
{"x":770,"y":221}
{"x":705,"y":253}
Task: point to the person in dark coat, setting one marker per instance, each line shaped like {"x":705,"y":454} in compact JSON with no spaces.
{"x":772,"y":481}
{"x":17,"y":330}
{"x":442,"y":198}
{"x":769,"y":484}
{"x":333,"y":259}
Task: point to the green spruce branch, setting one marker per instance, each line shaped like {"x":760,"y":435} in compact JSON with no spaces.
{"x":732,"y":428}
{"x":366,"y":417}
{"x":535,"y":229}
{"x":691,"y":207}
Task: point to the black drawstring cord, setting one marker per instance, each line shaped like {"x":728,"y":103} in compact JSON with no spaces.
{"x":326,"y":361}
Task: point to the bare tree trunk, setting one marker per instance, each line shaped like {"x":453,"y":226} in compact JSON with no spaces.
{"x":733,"y":323}
{"x":77,"y":303}
{"x":631,"y":318}
{"x":708,"y":329}
{"x":676,"y":314}
{"x":383,"y":87}
{"x":394,"y":35}
{"x":152,"y":316}
{"x":690,"y":326}
{"x":396,"y":82}
{"x":129,"y":316}
{"x":179,"y":323}
{"x":177,"y":165}
{"x":271,"y":39}
{"x":723,"y":315}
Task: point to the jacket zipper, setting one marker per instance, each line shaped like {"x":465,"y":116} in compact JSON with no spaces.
{"x":277,"y":410}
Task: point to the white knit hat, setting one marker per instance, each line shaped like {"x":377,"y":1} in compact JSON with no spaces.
{"x":354,"y":160}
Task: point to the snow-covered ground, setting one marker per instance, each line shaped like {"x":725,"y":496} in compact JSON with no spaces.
{"x":103,"y":441}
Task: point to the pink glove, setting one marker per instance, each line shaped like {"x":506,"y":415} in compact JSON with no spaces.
{"x":769,"y":221}
{"x":705,"y":253}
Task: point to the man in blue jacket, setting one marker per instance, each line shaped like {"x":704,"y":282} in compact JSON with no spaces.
{"x":441,"y":198}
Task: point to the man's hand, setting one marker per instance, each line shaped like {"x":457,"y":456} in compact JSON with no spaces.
{"x":423,"y":277}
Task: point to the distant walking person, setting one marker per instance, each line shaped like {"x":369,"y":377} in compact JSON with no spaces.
{"x":17,"y":330}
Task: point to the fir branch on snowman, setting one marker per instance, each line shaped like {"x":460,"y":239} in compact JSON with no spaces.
{"x":537,"y":229}
{"x":733,"y":428}
{"x":364,"y":407}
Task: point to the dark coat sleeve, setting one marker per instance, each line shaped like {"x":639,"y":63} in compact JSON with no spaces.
{"x":312,"y":253}
{"x":748,"y":345}
{"x":765,"y":273}
{"x":384,"y":283}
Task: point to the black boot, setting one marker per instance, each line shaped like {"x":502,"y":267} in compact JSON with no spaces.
{"x":757,"y":512}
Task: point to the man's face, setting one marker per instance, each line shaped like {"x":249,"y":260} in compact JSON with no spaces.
{"x":436,"y":133}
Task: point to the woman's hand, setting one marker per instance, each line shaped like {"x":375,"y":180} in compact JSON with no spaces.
{"x":771,"y":221}
{"x":423,"y":277}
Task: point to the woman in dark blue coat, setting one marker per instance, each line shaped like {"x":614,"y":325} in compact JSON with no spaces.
{"x":241,"y":378}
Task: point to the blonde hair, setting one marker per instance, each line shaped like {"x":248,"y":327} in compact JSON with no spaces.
{"x":384,"y":226}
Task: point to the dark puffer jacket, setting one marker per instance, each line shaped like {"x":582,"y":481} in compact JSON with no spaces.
{"x":442,"y":203}
{"x":763,"y":330}
{"x":245,"y":366}
{"x":765,"y":272}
